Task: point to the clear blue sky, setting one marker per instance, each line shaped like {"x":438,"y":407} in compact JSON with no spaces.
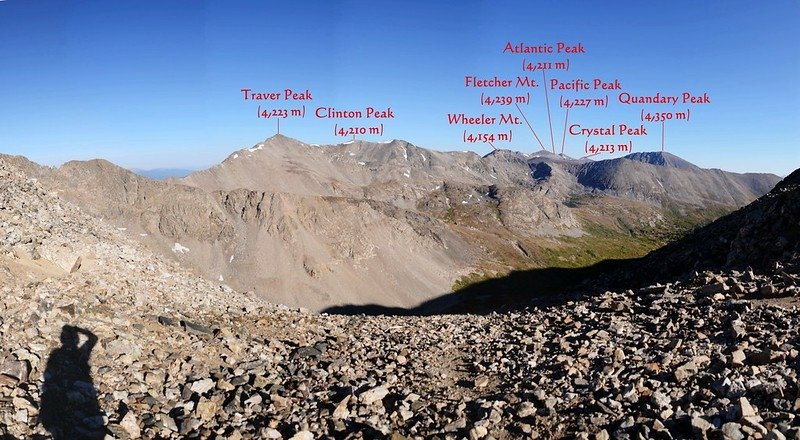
{"x":156,"y":84}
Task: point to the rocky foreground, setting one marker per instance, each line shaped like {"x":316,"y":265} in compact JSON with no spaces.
{"x":103,"y":339}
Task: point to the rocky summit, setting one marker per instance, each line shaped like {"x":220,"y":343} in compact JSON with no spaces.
{"x":103,"y":338}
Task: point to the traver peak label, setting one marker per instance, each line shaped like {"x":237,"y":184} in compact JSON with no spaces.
{"x":290,"y":103}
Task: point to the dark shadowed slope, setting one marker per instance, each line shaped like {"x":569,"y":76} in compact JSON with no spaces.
{"x":757,"y":235}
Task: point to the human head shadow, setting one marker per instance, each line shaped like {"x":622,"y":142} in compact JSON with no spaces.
{"x":69,"y":407}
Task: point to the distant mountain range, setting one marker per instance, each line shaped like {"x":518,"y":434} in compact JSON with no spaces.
{"x":395,"y":224}
{"x":163,"y":173}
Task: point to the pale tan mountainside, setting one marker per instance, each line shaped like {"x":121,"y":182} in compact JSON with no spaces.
{"x":385,"y":223}
{"x":314,"y":251}
{"x":397,"y":171}
{"x":309,"y":251}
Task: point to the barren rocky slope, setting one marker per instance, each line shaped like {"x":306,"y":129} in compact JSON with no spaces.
{"x":291,"y":248}
{"x":168,"y":355}
{"x":394,"y":224}
{"x":756,"y":236}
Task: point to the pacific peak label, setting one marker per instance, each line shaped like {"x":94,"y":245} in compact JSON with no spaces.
{"x":580,"y":84}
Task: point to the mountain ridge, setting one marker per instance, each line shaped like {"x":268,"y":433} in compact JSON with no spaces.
{"x":661,"y":158}
{"x":297,"y":223}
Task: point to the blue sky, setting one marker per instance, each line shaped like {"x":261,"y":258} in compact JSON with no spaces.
{"x":157,"y":84}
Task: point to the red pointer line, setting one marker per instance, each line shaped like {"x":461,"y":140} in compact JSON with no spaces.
{"x":564,"y":138}
{"x":529,"y":126}
{"x":549,"y":119}
{"x":492,"y":145}
{"x":586,"y":157}
{"x":662,"y":136}
{"x":279,"y":126}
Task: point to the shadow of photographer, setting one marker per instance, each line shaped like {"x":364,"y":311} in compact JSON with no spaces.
{"x":69,"y":407}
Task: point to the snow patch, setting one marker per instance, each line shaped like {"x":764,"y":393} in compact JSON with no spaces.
{"x":464,"y":202}
{"x":122,"y":229}
{"x":405,"y":153}
{"x":423,"y":157}
{"x":142,"y":235}
{"x":407,"y":173}
{"x":492,"y":176}
{"x":230,"y":260}
{"x":362,"y":163}
{"x":352,"y":154}
{"x":348,"y":142}
{"x":179,"y":248}
{"x":259,"y":147}
{"x":221,"y":279}
{"x":236,"y":156}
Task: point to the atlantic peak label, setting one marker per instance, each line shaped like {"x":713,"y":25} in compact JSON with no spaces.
{"x":560,"y":47}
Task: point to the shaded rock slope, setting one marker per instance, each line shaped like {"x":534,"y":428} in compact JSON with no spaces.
{"x":130,"y":345}
{"x":758,"y":236}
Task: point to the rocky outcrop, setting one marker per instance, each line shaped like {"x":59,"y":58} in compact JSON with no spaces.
{"x":757,"y":236}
